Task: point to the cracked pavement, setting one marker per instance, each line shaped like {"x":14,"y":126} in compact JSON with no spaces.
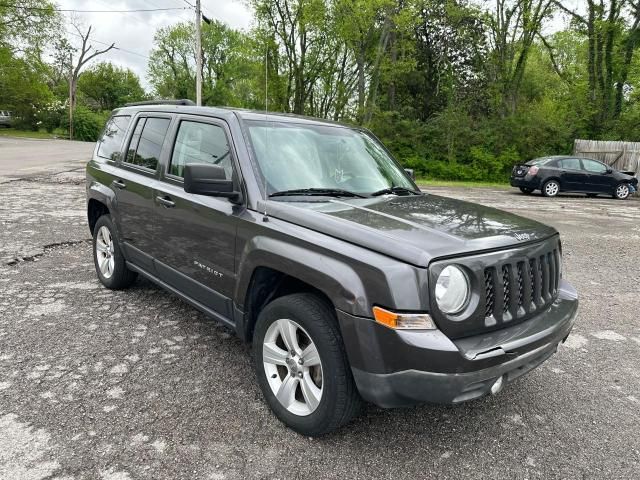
{"x":136,"y":384}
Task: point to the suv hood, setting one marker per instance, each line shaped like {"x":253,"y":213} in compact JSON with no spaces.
{"x":414,"y":229}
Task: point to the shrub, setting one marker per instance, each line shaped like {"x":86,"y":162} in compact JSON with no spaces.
{"x":50,"y":115}
{"x":87,"y":125}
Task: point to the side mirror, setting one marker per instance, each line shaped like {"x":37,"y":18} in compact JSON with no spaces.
{"x":609,"y":170}
{"x":211,"y":180}
{"x":411,"y":173}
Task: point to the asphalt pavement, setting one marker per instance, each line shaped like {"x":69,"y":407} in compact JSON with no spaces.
{"x":136,"y":384}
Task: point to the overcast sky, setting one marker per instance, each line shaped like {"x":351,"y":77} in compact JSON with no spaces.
{"x":134,"y":31}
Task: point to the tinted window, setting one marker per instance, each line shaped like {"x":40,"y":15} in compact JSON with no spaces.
{"x":593,"y":166}
{"x":112,"y":136}
{"x":200,"y":143}
{"x":570,"y":164}
{"x":539,"y":161}
{"x":146,"y":142}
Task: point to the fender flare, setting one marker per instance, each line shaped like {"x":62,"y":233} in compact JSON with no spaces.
{"x":103,"y":194}
{"x":337,"y":280}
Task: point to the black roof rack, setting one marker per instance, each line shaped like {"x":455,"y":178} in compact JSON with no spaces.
{"x":183,"y":101}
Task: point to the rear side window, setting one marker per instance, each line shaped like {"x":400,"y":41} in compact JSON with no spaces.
{"x":200,"y":143}
{"x":570,"y":164}
{"x":111,"y":140}
{"x":146,"y":143}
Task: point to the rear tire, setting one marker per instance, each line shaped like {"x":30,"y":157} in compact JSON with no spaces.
{"x":621,"y":192}
{"x":551,"y":188}
{"x":526,"y":190}
{"x":107,"y":257}
{"x":311,"y":393}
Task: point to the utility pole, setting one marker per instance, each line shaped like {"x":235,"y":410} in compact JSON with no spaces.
{"x":198,"y":55}
{"x":70,"y":96}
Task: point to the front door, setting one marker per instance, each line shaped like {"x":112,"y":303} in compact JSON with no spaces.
{"x":599,"y":179}
{"x":134,"y":186}
{"x":195,"y":247}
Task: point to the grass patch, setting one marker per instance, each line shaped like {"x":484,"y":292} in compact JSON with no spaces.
{"x":423,"y":182}
{"x":12,"y":132}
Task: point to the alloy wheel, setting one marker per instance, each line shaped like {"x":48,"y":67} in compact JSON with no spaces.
{"x":552,"y":189}
{"x":622,"y":191}
{"x":293,"y":367}
{"x":104,"y":252}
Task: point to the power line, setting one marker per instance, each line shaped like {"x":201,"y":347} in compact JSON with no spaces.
{"x":21,"y":7}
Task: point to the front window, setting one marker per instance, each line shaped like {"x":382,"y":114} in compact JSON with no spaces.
{"x":299,"y":156}
{"x":593,"y":166}
{"x":200,"y":143}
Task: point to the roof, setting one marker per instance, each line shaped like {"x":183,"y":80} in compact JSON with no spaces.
{"x":241,"y":113}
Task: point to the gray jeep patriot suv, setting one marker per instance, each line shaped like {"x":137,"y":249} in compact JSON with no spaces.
{"x":310,"y":241}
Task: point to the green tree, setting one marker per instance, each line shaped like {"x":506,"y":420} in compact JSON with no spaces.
{"x":228,"y":68}
{"x":106,"y":86}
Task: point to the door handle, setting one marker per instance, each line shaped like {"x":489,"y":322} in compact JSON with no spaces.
{"x":165,"y":201}
{"x":120,"y":184}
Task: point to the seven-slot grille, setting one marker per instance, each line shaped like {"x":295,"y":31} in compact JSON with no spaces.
{"x":522,"y":287}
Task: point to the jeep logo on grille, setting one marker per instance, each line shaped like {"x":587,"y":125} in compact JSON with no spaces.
{"x":523,"y":236}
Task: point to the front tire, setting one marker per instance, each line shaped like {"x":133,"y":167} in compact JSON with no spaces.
{"x":107,"y":257}
{"x":551,"y":188}
{"x":621,"y":192}
{"x":302,"y":367}
{"x":526,"y":190}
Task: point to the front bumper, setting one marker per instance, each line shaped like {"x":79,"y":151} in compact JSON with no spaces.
{"x":394,"y":368}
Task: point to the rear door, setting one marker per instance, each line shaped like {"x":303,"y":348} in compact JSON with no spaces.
{"x":134,"y":187}
{"x":196,"y":234}
{"x":572,"y":175}
{"x":598,"y":178}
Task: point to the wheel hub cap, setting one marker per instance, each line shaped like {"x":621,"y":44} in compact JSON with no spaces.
{"x":292,"y":366}
{"x":105,"y":252}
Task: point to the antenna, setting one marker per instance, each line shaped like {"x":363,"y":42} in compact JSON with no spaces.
{"x":265,"y":218}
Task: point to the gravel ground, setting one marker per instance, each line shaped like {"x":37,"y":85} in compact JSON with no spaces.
{"x":138,"y":385}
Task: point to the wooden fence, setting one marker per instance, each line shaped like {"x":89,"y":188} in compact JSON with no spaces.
{"x":624,"y":156}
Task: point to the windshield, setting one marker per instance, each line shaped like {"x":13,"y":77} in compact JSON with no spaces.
{"x":298,"y":156}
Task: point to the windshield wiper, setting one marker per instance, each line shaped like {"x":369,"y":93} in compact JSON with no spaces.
{"x":327,"y":192}
{"x":396,"y":190}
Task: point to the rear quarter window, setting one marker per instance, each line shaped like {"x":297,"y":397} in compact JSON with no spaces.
{"x":110,"y":143}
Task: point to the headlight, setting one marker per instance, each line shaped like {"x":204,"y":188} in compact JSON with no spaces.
{"x":452,"y":290}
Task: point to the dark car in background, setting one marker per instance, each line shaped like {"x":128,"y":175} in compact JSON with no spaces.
{"x":555,"y":174}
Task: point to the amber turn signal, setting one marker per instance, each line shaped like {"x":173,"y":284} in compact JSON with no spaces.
{"x":401,"y":321}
